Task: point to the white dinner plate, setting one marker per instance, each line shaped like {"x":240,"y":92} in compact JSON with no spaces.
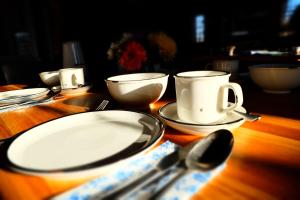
{"x":82,"y":144}
{"x":169,"y":115}
{"x":21,"y":95}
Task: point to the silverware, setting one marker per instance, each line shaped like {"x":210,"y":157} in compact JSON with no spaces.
{"x":164,"y":164}
{"x":204,"y":154}
{"x":102,"y":105}
{"x":56,"y":88}
{"x":139,"y":182}
{"x":248,"y":116}
{"x":32,"y":102}
{"x":209,"y":153}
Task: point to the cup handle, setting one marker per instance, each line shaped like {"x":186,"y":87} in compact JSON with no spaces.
{"x":238,"y":96}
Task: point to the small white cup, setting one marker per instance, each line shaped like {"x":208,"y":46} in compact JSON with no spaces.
{"x":202,"y":96}
{"x":71,"y":77}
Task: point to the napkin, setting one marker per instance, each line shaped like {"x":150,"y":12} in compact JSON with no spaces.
{"x":184,"y":188}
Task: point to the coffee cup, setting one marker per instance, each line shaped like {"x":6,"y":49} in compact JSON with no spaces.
{"x":71,"y":77}
{"x":202,"y":96}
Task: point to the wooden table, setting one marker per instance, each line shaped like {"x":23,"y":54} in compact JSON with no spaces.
{"x":265,"y":163}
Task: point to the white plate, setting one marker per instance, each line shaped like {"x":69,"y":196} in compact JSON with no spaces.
{"x":169,"y":114}
{"x":82,"y":143}
{"x":22,"y":95}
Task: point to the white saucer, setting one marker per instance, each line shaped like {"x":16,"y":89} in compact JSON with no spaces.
{"x":168,"y":113}
{"x":74,"y":91}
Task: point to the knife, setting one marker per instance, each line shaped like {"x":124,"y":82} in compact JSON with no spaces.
{"x":163,"y":167}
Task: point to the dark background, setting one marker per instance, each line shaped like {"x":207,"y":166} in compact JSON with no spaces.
{"x":32,"y":31}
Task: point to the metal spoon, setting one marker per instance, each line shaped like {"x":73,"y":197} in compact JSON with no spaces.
{"x":56,"y":88}
{"x":248,"y":116}
{"x":206,"y":154}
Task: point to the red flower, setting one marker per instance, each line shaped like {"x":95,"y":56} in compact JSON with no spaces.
{"x":133,"y":56}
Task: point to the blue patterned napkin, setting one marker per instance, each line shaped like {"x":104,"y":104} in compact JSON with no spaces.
{"x":184,"y":188}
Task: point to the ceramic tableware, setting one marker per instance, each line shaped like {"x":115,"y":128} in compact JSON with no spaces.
{"x":276,"y":78}
{"x":71,"y":78}
{"x":22,"y":95}
{"x":84,"y":144}
{"x":50,"y":78}
{"x":28,"y":103}
{"x":168,"y":113}
{"x":138,"y":89}
{"x":75,"y":91}
{"x":202,"y":96}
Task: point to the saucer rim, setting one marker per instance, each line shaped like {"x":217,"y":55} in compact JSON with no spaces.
{"x":79,"y":90}
{"x":193,"y":124}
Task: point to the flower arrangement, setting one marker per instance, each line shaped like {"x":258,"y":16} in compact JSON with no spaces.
{"x":135,"y":51}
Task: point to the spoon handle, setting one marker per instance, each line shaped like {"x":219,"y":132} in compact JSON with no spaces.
{"x":122,"y":191}
{"x":153,"y":187}
{"x":248,"y":116}
{"x":179,"y":172}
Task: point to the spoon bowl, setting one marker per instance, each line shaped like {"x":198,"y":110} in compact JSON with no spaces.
{"x":207,"y":154}
{"x":202,"y":155}
{"x":211,"y":151}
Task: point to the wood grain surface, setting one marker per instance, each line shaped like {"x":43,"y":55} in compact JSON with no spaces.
{"x":265,"y":163}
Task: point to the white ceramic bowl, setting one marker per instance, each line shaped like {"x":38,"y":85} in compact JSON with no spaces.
{"x":276,"y":78}
{"x":50,"y":78}
{"x":139,"y":89}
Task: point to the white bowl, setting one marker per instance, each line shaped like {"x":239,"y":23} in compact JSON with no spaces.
{"x":139,"y":89}
{"x":50,"y":78}
{"x":276,"y":78}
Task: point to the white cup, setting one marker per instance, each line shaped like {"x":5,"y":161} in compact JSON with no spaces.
{"x":202,"y":96}
{"x":71,"y":77}
{"x":230,"y":66}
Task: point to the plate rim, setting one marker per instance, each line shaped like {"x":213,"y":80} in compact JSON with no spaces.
{"x":14,"y":99}
{"x":8,"y":164}
{"x":193,"y":124}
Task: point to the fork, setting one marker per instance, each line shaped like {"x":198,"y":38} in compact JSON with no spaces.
{"x":29,"y":103}
{"x":102,"y":105}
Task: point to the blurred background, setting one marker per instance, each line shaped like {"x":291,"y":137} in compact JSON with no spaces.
{"x":33,"y":32}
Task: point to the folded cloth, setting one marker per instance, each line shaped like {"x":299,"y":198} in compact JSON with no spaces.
{"x":184,"y":188}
